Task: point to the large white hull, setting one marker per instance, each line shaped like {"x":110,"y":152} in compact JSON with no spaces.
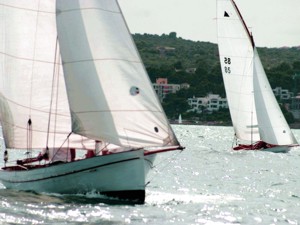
{"x":120,"y":175}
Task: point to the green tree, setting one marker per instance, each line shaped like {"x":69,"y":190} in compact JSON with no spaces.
{"x":178,"y":65}
{"x":173,"y":35}
{"x":296,"y":66}
{"x":174,"y":105}
{"x":288,"y":115}
{"x":281,"y":64}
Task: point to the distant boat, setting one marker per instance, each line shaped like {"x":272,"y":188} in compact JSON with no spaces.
{"x":256,"y":116}
{"x":179,"y":119}
{"x":72,"y":79}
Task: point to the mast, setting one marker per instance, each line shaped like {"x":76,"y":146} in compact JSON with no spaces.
{"x":244,"y":23}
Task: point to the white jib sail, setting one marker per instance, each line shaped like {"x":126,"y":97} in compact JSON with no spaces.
{"x":236,"y":57}
{"x":273,"y":127}
{"x":110,"y":95}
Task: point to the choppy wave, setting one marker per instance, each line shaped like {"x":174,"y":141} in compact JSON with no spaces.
{"x":207,"y":183}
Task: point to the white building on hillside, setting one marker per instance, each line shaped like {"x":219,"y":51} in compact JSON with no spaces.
{"x":283,"y":94}
{"x":295,"y":106}
{"x":162,"y":88}
{"x":212,"y":102}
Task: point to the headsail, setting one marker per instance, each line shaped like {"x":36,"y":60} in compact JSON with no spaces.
{"x":273,"y":127}
{"x":236,"y":55}
{"x":111,"y":97}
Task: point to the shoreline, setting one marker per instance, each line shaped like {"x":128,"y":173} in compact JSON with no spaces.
{"x":221,"y":123}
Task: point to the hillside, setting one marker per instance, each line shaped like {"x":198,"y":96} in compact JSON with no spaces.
{"x":169,"y":56}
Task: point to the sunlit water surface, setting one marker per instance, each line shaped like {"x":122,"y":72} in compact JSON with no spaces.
{"x":207,"y":183}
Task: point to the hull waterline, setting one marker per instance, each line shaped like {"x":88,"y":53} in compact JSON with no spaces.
{"x":280,"y":149}
{"x":275,"y":149}
{"x":120,"y":175}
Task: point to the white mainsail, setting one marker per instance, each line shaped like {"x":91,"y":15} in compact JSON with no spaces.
{"x":111,"y":97}
{"x":28,"y":73}
{"x":236,"y":57}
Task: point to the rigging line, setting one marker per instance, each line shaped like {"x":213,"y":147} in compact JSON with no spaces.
{"x":52,"y":91}
{"x":244,"y":24}
{"x":68,"y":151}
{"x":25,"y":9}
{"x":32,"y":109}
{"x":60,"y":147}
{"x":57,"y":89}
{"x":29,"y":123}
{"x":34,"y":55}
{"x":102,"y":59}
{"x":119,"y":111}
{"x":104,"y":148}
{"x":252,"y":128}
{"x":29,"y":138}
{"x":15,"y":57}
{"x":89,"y":8}
{"x":234,"y":140}
{"x":170,"y":159}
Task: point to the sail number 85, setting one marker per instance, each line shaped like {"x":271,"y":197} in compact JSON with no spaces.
{"x":227,"y":62}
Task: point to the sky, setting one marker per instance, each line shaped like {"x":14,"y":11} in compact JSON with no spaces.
{"x":274,"y":23}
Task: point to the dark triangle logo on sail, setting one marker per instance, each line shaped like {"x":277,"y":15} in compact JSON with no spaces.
{"x":226,"y":14}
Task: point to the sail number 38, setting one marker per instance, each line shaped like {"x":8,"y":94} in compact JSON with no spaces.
{"x":227,"y":62}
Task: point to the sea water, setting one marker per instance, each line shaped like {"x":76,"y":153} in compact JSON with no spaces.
{"x":207,"y":183}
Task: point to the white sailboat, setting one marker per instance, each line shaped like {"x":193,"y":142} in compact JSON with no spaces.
{"x":256,"y":116}
{"x":179,"y":119}
{"x":72,"y":78}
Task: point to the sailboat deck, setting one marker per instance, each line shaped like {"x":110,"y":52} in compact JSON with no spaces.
{"x":20,"y":168}
{"x":26,"y":167}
